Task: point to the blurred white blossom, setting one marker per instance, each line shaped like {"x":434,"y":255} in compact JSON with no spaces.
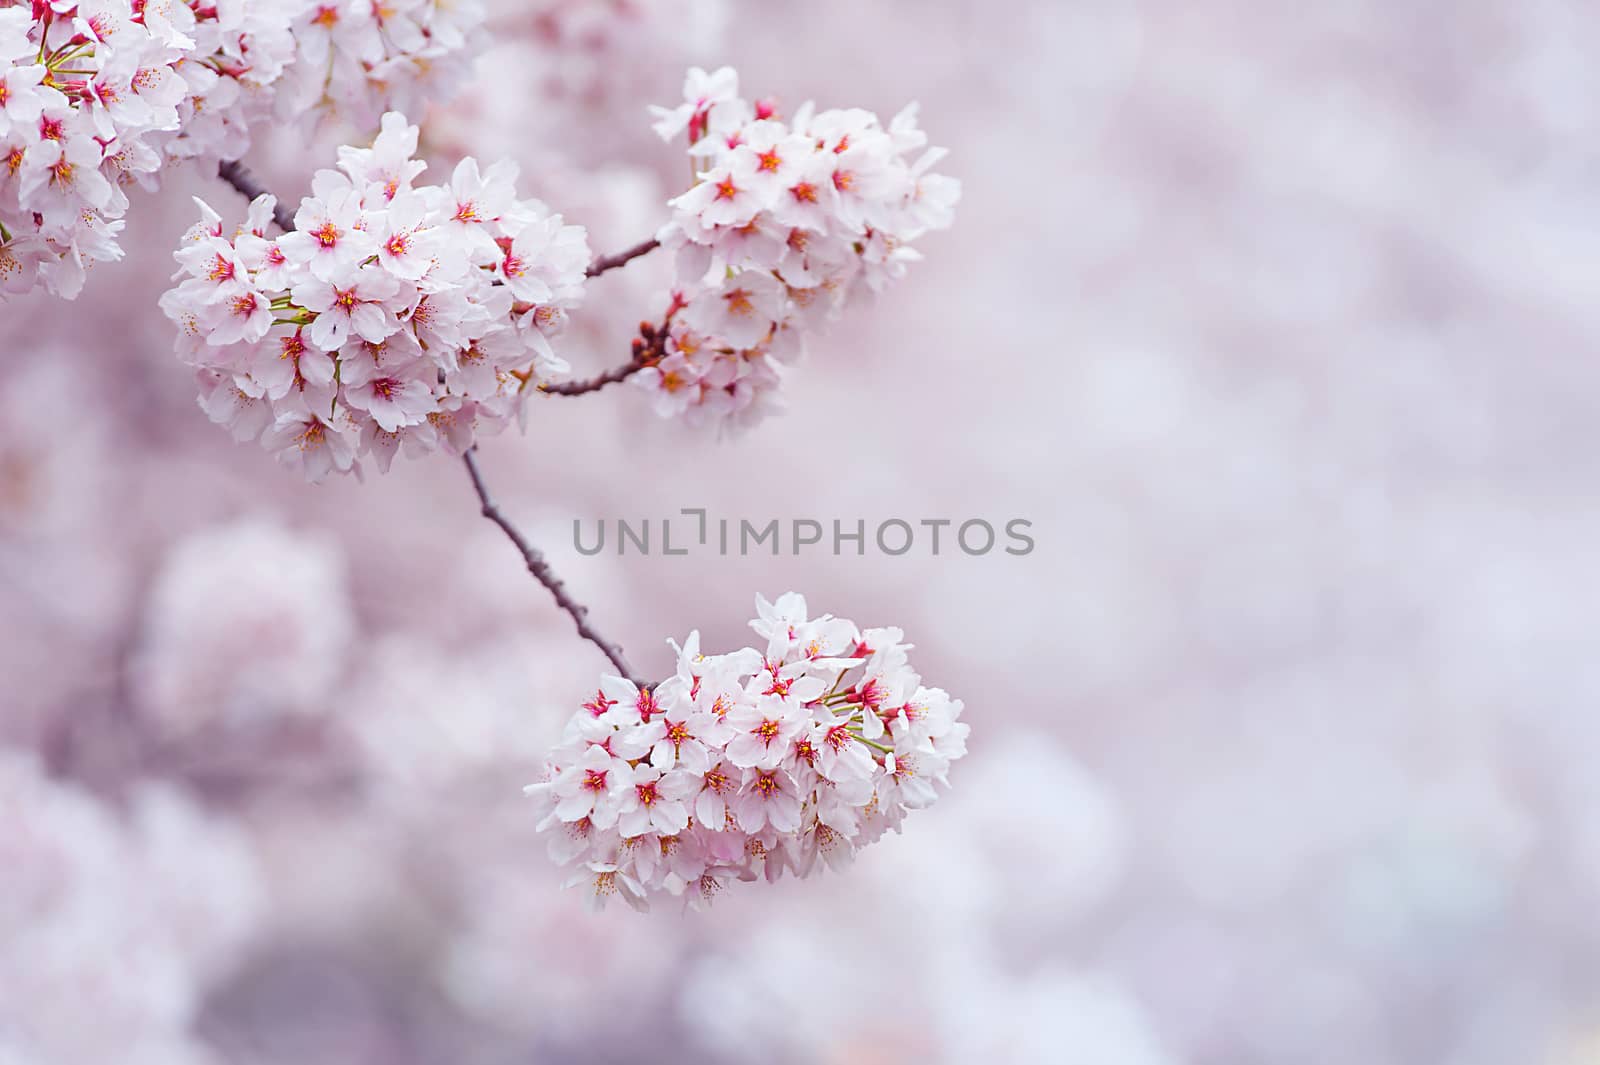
{"x":244,"y":621}
{"x":115,"y":922}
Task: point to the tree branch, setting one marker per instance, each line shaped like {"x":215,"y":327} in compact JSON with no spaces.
{"x":235,"y":174}
{"x":540,"y":568}
{"x":622,"y":258}
{"x":649,"y":348}
{"x":595,"y":383}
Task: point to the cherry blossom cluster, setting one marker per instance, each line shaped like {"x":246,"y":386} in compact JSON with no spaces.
{"x":359,"y":58}
{"x":393,"y":316}
{"x":99,"y":94}
{"x":787,"y":221}
{"x":85,"y":91}
{"x":772,"y":759}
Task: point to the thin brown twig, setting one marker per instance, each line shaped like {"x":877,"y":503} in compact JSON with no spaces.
{"x":540,"y":568}
{"x":597,"y":382}
{"x":622,"y":258}
{"x":649,"y":348}
{"x":235,"y":174}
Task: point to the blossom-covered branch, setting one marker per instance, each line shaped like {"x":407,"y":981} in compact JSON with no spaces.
{"x":539,"y":566}
{"x":383,"y":166}
{"x":394,"y":315}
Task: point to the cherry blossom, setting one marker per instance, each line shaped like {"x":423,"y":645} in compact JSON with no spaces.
{"x":360,"y":59}
{"x":788,"y":221}
{"x":101,"y":95}
{"x":746,"y":765}
{"x":392,"y":318}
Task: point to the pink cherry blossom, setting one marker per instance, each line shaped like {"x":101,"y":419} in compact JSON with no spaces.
{"x":103,"y":94}
{"x":786,"y":222}
{"x":392,"y":318}
{"x":792,"y":761}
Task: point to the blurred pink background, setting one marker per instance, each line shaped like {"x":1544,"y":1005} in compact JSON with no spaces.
{"x":1266,"y":316}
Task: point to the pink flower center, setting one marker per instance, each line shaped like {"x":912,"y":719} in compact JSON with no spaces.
{"x":647,"y":705}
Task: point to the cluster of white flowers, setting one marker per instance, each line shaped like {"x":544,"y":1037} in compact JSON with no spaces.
{"x":99,"y":94}
{"x":127,"y":915}
{"x":232,"y":76}
{"x":360,"y":58}
{"x":81,"y":96}
{"x":393,"y":316}
{"x":244,"y":622}
{"x":747,"y":764}
{"x":786,"y":222}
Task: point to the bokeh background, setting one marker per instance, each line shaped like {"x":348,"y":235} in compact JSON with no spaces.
{"x":1270,"y":317}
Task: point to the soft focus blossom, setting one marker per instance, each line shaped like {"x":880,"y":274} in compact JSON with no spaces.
{"x":577,"y":71}
{"x":244,"y":621}
{"x":116,"y":922}
{"x":359,"y":59}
